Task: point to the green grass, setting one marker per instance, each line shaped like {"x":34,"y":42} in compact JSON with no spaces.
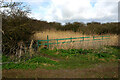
{"x":5,"y":58}
{"x":71,"y":58}
{"x":29,"y":64}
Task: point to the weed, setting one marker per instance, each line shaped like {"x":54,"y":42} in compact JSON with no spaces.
{"x":70,"y":58}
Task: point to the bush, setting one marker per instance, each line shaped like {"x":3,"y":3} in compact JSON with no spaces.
{"x":16,"y":26}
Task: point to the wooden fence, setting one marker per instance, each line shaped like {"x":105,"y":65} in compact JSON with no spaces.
{"x":71,"y":39}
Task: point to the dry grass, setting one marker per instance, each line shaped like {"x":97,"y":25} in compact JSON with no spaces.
{"x":53,"y":34}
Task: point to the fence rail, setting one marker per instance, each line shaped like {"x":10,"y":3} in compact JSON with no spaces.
{"x":71,"y":40}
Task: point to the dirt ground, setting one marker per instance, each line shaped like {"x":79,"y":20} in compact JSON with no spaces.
{"x":99,"y":71}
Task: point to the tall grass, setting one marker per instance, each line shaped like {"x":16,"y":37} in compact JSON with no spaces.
{"x":53,"y":34}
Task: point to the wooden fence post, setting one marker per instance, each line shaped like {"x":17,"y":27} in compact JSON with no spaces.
{"x":83,"y":38}
{"x":102,"y":37}
{"x":93,"y":37}
{"x":101,"y":43}
{"x":47,"y":42}
{"x":57,"y":42}
{"x":71,"y":39}
{"x":93,"y":42}
{"x":37,"y":43}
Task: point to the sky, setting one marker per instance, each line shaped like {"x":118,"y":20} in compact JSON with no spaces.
{"x":64,"y":11}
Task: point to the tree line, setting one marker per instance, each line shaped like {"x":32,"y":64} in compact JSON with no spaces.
{"x":18,"y":27}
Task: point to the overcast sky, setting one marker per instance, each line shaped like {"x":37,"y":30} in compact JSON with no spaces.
{"x":74,"y":10}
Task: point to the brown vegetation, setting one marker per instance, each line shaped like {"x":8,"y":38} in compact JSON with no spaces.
{"x":54,"y":34}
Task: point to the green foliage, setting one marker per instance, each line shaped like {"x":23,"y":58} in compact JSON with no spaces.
{"x":71,"y":58}
{"x":29,"y":64}
{"x":92,"y":28}
{"x":41,"y":60}
{"x":19,"y":66}
{"x":71,"y":26}
{"x":5,"y":58}
{"x":102,"y":55}
{"x":114,"y":50}
{"x":74,"y":51}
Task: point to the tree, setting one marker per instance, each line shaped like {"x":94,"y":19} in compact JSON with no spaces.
{"x":16,"y":25}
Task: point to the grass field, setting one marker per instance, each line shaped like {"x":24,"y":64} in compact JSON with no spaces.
{"x":92,"y":63}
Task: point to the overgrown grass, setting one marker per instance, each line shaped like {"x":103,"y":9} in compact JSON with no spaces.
{"x":53,"y":34}
{"x":71,"y":58}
